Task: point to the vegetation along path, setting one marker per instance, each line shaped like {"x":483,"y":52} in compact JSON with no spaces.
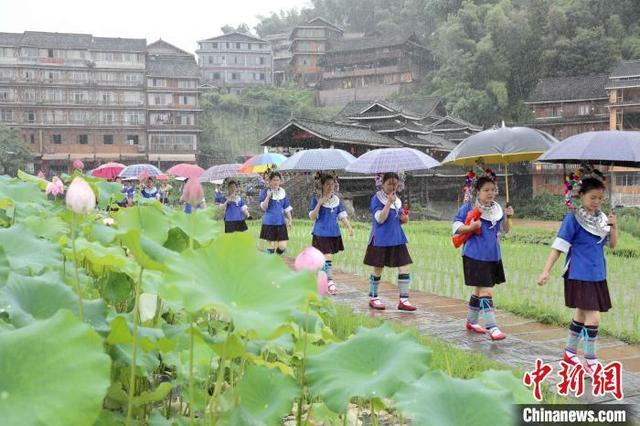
{"x":443,"y":318}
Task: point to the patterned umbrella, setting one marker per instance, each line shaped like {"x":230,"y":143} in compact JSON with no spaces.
{"x":606,"y":147}
{"x":262,"y":162}
{"x":318,"y":160}
{"x":392,"y":160}
{"x":186,"y":170}
{"x":136,"y":170}
{"x":108,"y":170}
{"x":222,"y":171}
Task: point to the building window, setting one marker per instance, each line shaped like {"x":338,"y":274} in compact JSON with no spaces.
{"x":31,"y":116}
{"x":108,"y":139}
{"x":249,"y":46}
{"x":238,"y":45}
{"x":262,"y":76}
{"x":6,"y":115}
{"x":628,"y":179}
{"x":228,"y":45}
{"x":216,"y":76}
{"x":32,"y":138}
{"x":132,"y":139}
{"x":56,"y":139}
{"x":214,"y":45}
{"x":555,"y":111}
{"x":50,"y":53}
{"x":210,"y":59}
{"x":261,"y":60}
{"x":83,"y":139}
{"x":78,"y":98}
{"x":235,"y":76}
{"x":185,"y":100}
{"x":584,"y":110}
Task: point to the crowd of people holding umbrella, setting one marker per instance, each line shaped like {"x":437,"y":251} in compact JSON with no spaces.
{"x":476,"y":227}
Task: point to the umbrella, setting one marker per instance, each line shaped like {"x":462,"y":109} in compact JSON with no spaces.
{"x":262,"y":162}
{"x":186,"y":170}
{"x":135,"y":170}
{"x":606,"y":147}
{"x":221,"y":171}
{"x":392,"y":160}
{"x":317,"y":160}
{"x":502,"y":145}
{"x":108,"y":170}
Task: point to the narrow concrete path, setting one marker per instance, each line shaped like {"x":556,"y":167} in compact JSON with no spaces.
{"x":527,"y":340}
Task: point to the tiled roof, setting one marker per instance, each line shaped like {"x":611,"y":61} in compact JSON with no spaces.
{"x":172,"y":66}
{"x":72,"y":41}
{"x":333,"y":132}
{"x":236,"y":36}
{"x":419,"y":107}
{"x":626,"y":69}
{"x":427,"y":141}
{"x":569,"y":88}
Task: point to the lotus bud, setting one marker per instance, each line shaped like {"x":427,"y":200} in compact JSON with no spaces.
{"x":323,"y":283}
{"x":80,"y":197}
{"x":192,"y":192}
{"x":41,"y":174}
{"x":309,"y":259}
{"x":55,"y":188}
{"x":78,"y":165}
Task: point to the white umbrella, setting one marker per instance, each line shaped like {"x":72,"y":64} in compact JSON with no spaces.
{"x":392,"y":160}
{"x":312,"y":160}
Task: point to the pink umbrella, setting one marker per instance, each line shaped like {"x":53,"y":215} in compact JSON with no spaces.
{"x":186,"y":170}
{"x":108,"y":170}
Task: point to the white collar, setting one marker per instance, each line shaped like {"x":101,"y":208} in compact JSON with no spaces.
{"x":332,"y":202}
{"x":492,"y":213}
{"x":382,"y":197}
{"x":595,"y":224}
{"x":279,"y":194}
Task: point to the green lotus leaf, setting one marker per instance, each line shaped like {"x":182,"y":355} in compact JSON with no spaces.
{"x":26,"y":177}
{"x":23,"y":191}
{"x":149,"y":220}
{"x":5,"y":267}
{"x":28,"y":254}
{"x":258,"y":402}
{"x":256,"y":291}
{"x":198,"y":225}
{"x":146,"y":252}
{"x":505,"y":380}
{"x":54,"y":372}
{"x":108,"y":192}
{"x":27,"y":299}
{"x":146,"y":362}
{"x":442,"y":400}
{"x":117,"y":288}
{"x":100,"y":257}
{"x":177,"y":240}
{"x":157,"y":394}
{"x":102,"y":234}
{"x":149,"y":339}
{"x":375,"y":363}
{"x":46,"y":226}
{"x":229,"y":347}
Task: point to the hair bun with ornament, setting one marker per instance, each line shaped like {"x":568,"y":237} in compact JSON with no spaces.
{"x":478,"y":171}
{"x":573,"y":182}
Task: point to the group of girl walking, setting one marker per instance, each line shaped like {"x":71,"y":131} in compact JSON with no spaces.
{"x":480,"y":222}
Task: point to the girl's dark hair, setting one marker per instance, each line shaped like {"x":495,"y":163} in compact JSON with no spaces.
{"x":274,"y":175}
{"x":232,"y":182}
{"x":390,"y":175}
{"x":589,"y":184}
{"x":482,"y":181}
{"x":324,"y":177}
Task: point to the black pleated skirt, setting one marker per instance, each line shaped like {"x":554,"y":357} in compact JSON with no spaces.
{"x":391,"y":256}
{"x":479,"y":273}
{"x":587,"y":295}
{"x":274,"y":233}
{"x":235,"y":226}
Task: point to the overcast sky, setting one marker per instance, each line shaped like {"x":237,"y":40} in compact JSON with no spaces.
{"x":181,"y":22}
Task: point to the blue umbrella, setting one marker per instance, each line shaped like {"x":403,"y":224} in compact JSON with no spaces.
{"x":606,"y":147}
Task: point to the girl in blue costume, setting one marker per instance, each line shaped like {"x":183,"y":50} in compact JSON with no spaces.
{"x":388,"y":243}
{"x":481,"y":255}
{"x":277,"y":215}
{"x":149,"y":189}
{"x":326,"y":211}
{"x":582,"y":236}
{"x":235,"y":209}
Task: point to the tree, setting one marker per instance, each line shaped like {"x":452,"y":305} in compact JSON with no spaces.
{"x":242,"y":28}
{"x":14,"y":154}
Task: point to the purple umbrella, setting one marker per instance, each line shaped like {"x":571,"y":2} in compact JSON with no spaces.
{"x":392,"y":160}
{"x":606,"y":147}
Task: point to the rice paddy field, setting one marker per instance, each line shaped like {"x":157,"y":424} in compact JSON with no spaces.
{"x":437,"y":269}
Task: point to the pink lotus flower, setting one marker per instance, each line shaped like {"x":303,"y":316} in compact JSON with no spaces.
{"x":55,"y":188}
{"x":192,"y":192}
{"x":310,"y":259}
{"x":40,"y":174}
{"x":80,"y":197}
{"x":78,"y":165}
{"x":323,"y":283}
